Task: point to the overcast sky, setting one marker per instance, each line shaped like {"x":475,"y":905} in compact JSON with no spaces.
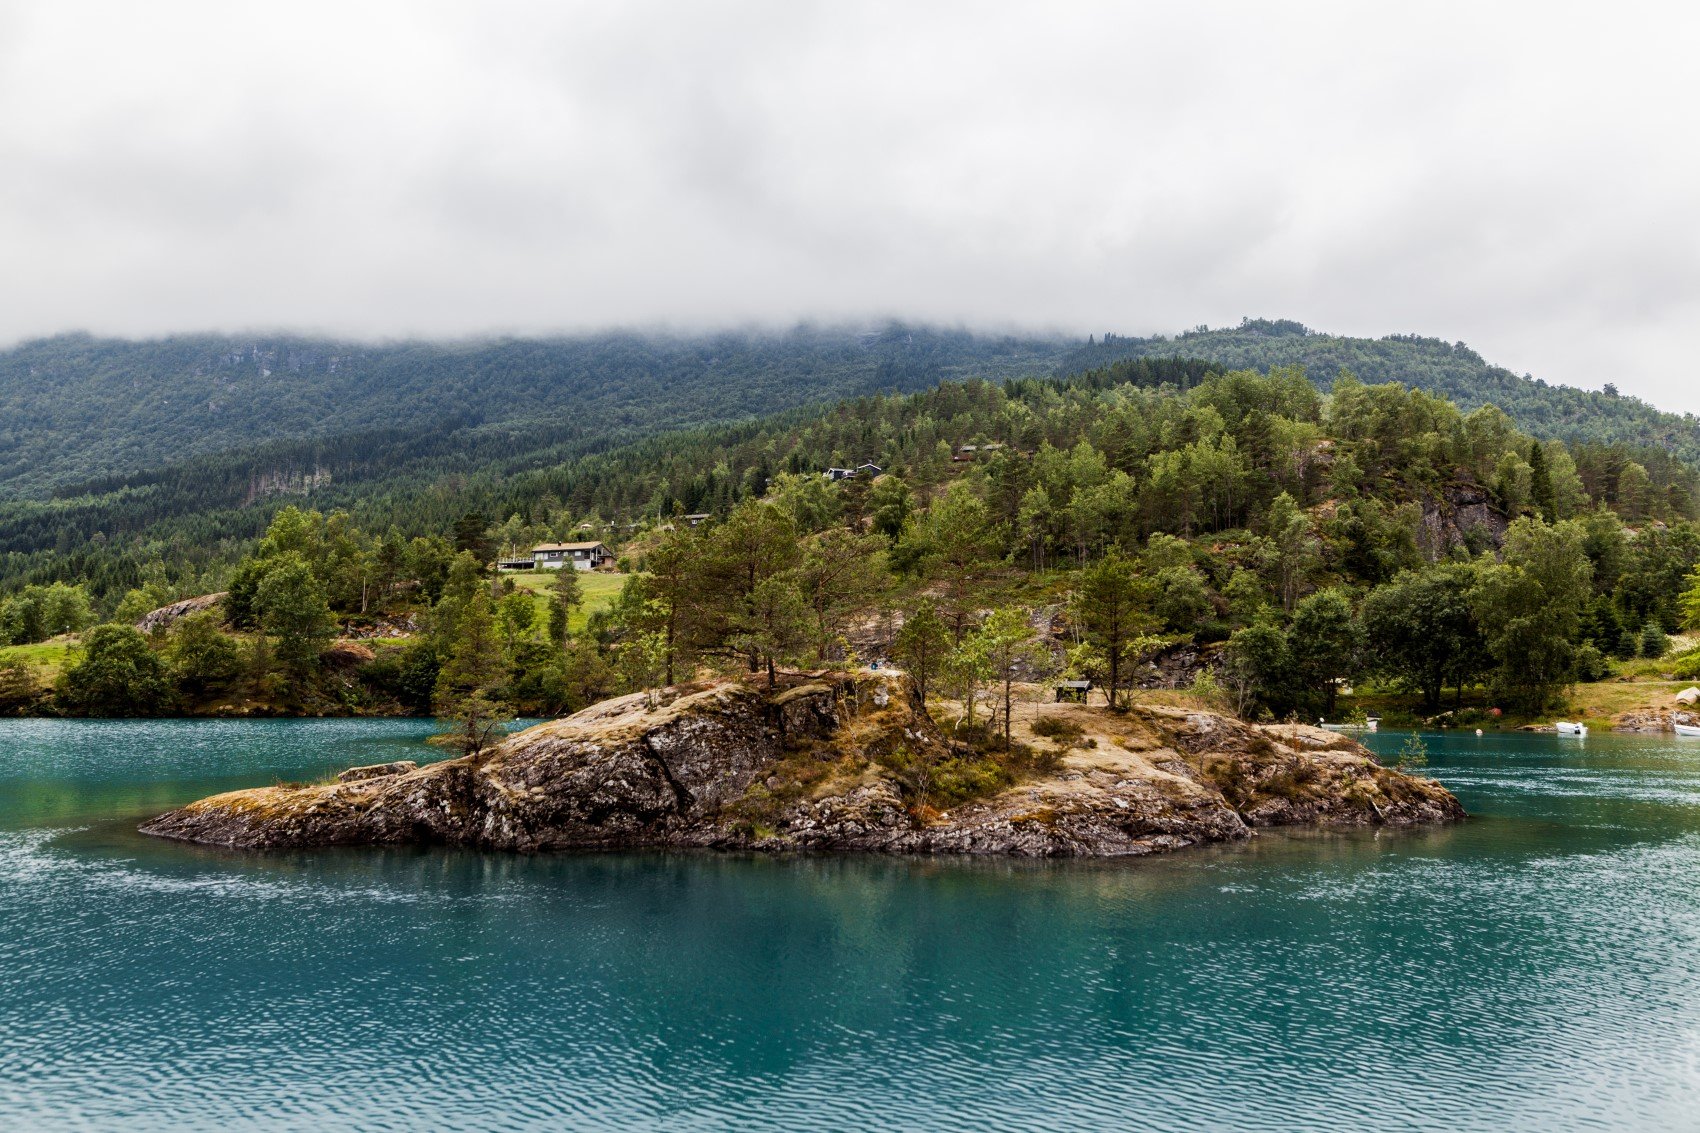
{"x":1525,"y":178}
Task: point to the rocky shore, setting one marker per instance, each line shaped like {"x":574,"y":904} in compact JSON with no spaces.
{"x":832,"y":762}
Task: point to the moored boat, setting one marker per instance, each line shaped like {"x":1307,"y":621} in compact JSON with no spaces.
{"x":1568,"y":728}
{"x":1687,"y":730}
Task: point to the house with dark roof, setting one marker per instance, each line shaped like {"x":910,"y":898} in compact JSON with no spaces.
{"x":579,"y":556}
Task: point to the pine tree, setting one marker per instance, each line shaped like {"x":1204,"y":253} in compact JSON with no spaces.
{"x":923,"y":645}
{"x":565,"y":596}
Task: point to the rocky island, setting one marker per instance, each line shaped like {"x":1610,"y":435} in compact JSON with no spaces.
{"x":831,"y":762}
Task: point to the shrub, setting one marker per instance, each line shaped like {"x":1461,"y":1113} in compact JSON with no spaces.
{"x":1290,"y":783}
{"x":1654,"y":642}
{"x":199,"y":656}
{"x":18,"y":688}
{"x":957,"y":780}
{"x":116,"y":675}
{"x":1229,"y":776}
{"x":1412,"y":755}
{"x":1057,"y":728}
{"x":1687,"y":665}
{"x":409,"y":674}
{"x":1591,"y":664}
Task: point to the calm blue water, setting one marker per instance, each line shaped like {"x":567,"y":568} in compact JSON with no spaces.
{"x":1536,"y":968}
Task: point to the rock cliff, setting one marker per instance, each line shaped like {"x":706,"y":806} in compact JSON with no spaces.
{"x":831,"y":762}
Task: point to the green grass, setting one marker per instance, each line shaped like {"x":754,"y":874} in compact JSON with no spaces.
{"x":599,"y":592}
{"x":1636,"y":686}
{"x":47,"y":658}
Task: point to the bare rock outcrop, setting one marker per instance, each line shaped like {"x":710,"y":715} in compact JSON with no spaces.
{"x":1458,"y":515}
{"x":166,"y":616}
{"x":827,"y":763}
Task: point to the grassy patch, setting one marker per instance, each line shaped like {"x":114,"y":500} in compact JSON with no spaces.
{"x":1638,"y":687}
{"x":46,"y":659}
{"x":599,"y":590}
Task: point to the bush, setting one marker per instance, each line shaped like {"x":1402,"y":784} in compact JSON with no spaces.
{"x":409,"y":674}
{"x":1591,"y":664}
{"x":958,"y":780}
{"x":200,"y":656}
{"x":1057,"y":728}
{"x":18,"y":688}
{"x":1687,"y":665}
{"x":1654,"y":642}
{"x":116,"y":675}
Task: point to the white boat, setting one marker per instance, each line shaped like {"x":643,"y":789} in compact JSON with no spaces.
{"x":1369,"y":725}
{"x":1687,"y":730}
{"x":1566,"y":728}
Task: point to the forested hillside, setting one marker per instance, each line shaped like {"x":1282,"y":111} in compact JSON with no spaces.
{"x":1088,"y":526}
{"x":76,"y":410}
{"x":1452,"y":370}
{"x":414,"y":436}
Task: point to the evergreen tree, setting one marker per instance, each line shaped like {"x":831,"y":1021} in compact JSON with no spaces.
{"x":1108,"y":604}
{"x":923,"y":646}
{"x":1540,"y":482}
{"x":565,"y":596}
{"x":474,"y":662}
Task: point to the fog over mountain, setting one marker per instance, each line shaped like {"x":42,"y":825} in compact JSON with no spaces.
{"x":1520,"y":177}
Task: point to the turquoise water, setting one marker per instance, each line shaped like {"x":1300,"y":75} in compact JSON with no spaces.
{"x":1535,"y":968}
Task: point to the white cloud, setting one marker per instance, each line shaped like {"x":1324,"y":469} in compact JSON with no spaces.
{"x":1521,"y":177}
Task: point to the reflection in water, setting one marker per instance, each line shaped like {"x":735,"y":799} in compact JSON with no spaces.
{"x":1528,"y":969}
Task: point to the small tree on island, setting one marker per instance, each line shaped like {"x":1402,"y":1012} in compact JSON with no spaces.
{"x":479,"y":723}
{"x":923,"y":646}
{"x":475,"y":667}
{"x":1010,"y":646}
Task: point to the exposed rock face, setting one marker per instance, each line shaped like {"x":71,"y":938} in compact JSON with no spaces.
{"x":1652,"y":721}
{"x":1458,"y":514}
{"x":810,"y":767}
{"x":167,"y":615}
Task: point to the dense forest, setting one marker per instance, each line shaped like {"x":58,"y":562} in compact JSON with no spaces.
{"x":1089,"y":526}
{"x":76,"y":411}
{"x":1449,"y":369}
{"x":415,"y":435}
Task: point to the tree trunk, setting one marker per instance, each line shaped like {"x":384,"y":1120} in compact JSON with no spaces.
{"x":1007,"y":681}
{"x":669,"y":651}
{"x":1115,"y":671}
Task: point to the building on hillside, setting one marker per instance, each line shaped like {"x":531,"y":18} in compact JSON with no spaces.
{"x":516,"y":563}
{"x":697,"y":518}
{"x":580,"y":556}
{"x":869,"y":469}
{"x":1073,"y":691}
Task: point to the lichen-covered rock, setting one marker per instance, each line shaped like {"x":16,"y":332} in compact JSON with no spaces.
{"x":808,"y":766}
{"x":167,"y":616}
{"x":377,"y":771}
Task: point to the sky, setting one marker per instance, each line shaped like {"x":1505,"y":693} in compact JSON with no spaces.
{"x":1521,"y":177}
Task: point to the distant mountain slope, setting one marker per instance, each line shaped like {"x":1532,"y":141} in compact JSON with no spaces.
{"x":1452,"y":370}
{"x":77,"y":409}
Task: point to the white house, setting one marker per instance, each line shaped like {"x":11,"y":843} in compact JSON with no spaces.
{"x":581,"y":556}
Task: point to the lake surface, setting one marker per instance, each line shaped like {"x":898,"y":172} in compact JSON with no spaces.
{"x":1535,"y":968}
